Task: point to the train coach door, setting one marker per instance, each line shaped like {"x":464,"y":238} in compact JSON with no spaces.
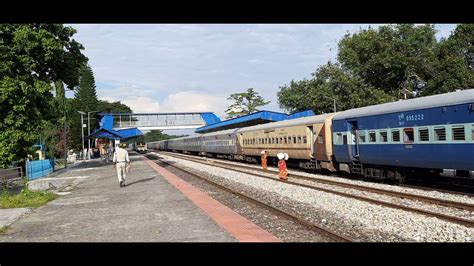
{"x":353,"y":141}
{"x":311,"y":139}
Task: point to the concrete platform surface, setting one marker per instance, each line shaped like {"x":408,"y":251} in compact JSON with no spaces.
{"x":9,"y":216}
{"x":147,"y":209}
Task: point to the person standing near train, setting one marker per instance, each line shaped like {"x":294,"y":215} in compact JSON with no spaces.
{"x":282,"y":170}
{"x":264,"y":160}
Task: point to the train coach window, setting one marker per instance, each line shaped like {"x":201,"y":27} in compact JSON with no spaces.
{"x":294,"y":139}
{"x":304,"y":139}
{"x":472,"y":132}
{"x":372,"y":136}
{"x":458,"y":133}
{"x":338,"y":138}
{"x":396,"y":135}
{"x":284,"y":140}
{"x":299,"y":138}
{"x":362,"y":136}
{"x":408,"y":135}
{"x":383,"y":136}
{"x":440,"y":133}
{"x":320,"y":139}
{"x":423,"y":134}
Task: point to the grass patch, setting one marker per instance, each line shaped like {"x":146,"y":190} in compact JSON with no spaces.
{"x":3,"y":229}
{"x":26,"y":198}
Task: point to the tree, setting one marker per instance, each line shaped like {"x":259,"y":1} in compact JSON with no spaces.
{"x":157,"y":135}
{"x":245,"y":103}
{"x":113,"y":107}
{"x":330,"y":82}
{"x":32,"y":58}
{"x":391,"y":57}
{"x":85,"y":100}
{"x":86,"y":94}
{"x":374,"y":66}
{"x":454,"y":65}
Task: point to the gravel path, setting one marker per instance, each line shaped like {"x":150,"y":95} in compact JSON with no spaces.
{"x":357,"y":219}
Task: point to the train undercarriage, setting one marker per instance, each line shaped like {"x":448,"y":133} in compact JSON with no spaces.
{"x":374,"y":172}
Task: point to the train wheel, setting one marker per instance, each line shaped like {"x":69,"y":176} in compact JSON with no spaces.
{"x":399,"y":178}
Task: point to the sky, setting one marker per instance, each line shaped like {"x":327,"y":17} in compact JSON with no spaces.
{"x":194,"y":68}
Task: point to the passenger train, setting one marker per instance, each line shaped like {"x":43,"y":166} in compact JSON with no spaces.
{"x":140,"y":147}
{"x":387,"y":141}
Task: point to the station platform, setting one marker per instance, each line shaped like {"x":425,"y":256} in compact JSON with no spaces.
{"x":155,"y":206}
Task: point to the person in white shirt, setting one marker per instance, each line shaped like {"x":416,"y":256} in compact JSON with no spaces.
{"x":121,"y":162}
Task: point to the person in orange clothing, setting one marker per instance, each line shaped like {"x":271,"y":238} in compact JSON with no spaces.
{"x":264,"y":160}
{"x":283,"y":173}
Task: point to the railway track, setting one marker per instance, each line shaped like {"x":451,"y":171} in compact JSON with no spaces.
{"x":455,"y":219}
{"x":462,"y":191}
{"x":314,"y":227}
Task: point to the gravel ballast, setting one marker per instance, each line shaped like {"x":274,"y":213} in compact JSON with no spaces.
{"x":360,"y":220}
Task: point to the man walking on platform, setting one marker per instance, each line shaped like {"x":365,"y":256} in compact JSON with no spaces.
{"x":121,"y":162}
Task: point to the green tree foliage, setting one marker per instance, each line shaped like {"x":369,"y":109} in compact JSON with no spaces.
{"x":391,"y":57}
{"x":375,"y":65}
{"x":454,"y":64}
{"x":157,"y":135}
{"x":329,"y":82}
{"x":245,"y":103}
{"x":85,"y":100}
{"x":86,"y":94}
{"x":32,"y":58}
{"x":113,"y":107}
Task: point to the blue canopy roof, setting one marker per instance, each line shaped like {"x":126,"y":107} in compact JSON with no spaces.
{"x":116,"y":134}
{"x":251,"y":120}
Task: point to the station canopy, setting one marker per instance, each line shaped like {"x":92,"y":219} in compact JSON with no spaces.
{"x":106,"y":131}
{"x":256,"y":118}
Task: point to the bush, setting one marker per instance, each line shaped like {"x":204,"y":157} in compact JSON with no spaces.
{"x":26,"y":198}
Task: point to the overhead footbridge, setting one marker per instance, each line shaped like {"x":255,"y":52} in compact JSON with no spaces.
{"x":155,"y":121}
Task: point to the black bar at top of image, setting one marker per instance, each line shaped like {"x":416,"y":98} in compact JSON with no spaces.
{"x":235,"y":12}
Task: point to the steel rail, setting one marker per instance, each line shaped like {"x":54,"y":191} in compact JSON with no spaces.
{"x":314,"y":227}
{"x":449,"y":203}
{"x":454,"y":219}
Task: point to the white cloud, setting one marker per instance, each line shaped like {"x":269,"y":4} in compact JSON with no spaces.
{"x":196,"y":67}
{"x":183,"y":101}
{"x":195,"y":101}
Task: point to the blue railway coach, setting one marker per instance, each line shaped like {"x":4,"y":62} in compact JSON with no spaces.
{"x":394,"y":140}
